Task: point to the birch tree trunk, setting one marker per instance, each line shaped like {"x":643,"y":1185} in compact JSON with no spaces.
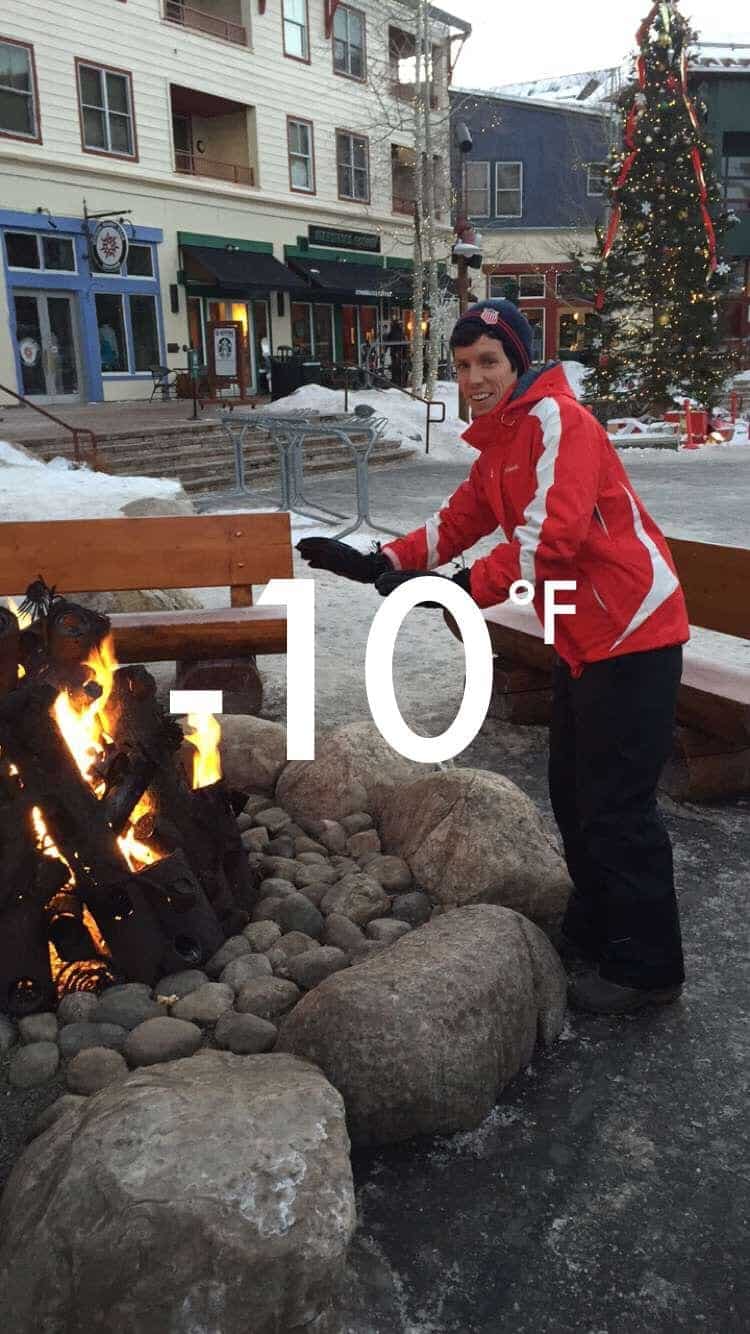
{"x":417,"y":373}
{"x":430,"y":208}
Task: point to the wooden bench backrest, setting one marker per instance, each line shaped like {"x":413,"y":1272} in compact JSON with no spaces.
{"x":108,"y":555}
{"x":716,"y":581}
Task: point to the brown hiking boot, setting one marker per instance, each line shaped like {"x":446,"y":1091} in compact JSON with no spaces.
{"x":596,"y":995}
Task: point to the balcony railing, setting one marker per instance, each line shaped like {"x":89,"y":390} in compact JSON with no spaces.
{"x":190,"y":164}
{"x":403,"y":205}
{"x":405,"y":92}
{"x":211,"y":24}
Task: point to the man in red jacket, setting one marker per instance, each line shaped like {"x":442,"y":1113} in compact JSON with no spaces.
{"x":549,"y":478}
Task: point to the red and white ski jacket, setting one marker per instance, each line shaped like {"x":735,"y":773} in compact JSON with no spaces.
{"x":550,"y":478}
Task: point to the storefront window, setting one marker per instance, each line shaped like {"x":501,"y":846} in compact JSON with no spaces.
{"x":302,"y":328}
{"x":23,"y":250}
{"x":576,"y":330}
{"x":29,"y":250}
{"x":531,"y":284}
{"x":323,"y":333}
{"x":140,"y":261}
{"x":113,"y":350}
{"x":195,"y":326}
{"x":145,"y":331}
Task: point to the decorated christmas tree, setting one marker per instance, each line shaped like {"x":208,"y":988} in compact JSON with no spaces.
{"x":658,"y":277}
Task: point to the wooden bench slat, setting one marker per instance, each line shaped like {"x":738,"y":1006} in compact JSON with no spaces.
{"x":225,"y":632}
{"x":100,"y":555}
{"x":716,"y":581}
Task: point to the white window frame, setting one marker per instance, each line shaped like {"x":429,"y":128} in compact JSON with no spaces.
{"x":596,"y":167}
{"x":347,"y":12}
{"x":308,"y":157}
{"x":508,"y":189}
{"x":39,"y":237}
{"x":303,"y":27}
{"x":35,"y":136}
{"x":132,"y":277}
{"x":103,"y":71}
{"x":350,"y":136}
{"x":475,"y":188}
{"x":532,"y":296}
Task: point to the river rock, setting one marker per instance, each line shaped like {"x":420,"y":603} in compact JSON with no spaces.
{"x":255,"y":839}
{"x":391,"y":872}
{"x":357,"y":822}
{"x":8,"y":1033}
{"x":77,"y":1037}
{"x":352,"y":771}
{"x":364,"y":845}
{"x":474,"y":837}
{"x":67,"y":1102}
{"x":164,"y":1039}
{"x":275,"y":888}
{"x":421,"y":1038}
{"x":207,"y":1195}
{"x":253,"y":753}
{"x":205,"y":1005}
{"x":262,"y":935}
{"x":343,"y":933}
{"x":181,"y":984}
{"x":268,"y":998}
{"x":77,"y":1007}
{"x":385,"y":928}
{"x":126,"y":1007}
{"x":309,"y":969}
{"x":34,"y":1064}
{"x":280,"y":847}
{"x":241,"y":971}
{"x":233,"y":948}
{"x":273,"y":818}
{"x":93,"y":1069}
{"x":297,"y":913}
{"x":414,"y":908}
{"x":245,"y":1034}
{"x":38,"y":1027}
{"x":358,"y":897}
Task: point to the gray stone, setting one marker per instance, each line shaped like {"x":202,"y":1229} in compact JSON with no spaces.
{"x":207,"y":1195}
{"x":125,"y":1008}
{"x":308,"y":970}
{"x":312,"y":858}
{"x":77,"y":1037}
{"x":207,"y":1004}
{"x":370,"y":948}
{"x":233,"y":948}
{"x":129,"y":989}
{"x":276,"y":888}
{"x":422,"y":1037}
{"x":94,"y":1069}
{"x":385,"y":928}
{"x":164,"y":1039}
{"x":343,"y":865}
{"x":8,"y":1034}
{"x":315,"y":873}
{"x":255,"y":802}
{"x":391,"y":872}
{"x":244,"y":821}
{"x":280,"y":847}
{"x":315,"y":891}
{"x":77,"y":1008}
{"x":253,"y":753}
{"x":343,"y":933}
{"x":303,"y":843}
{"x":297,"y":913}
{"x":272,"y":818}
{"x":364,"y":844}
{"x":67,"y":1102}
{"x":357,"y":822}
{"x":35,"y":1064}
{"x":474,"y":837}
{"x":247,"y":969}
{"x":262,"y":935}
{"x":269,"y":999}
{"x":358,"y":897}
{"x":181,"y":984}
{"x":245,"y":1034}
{"x":265,"y":911}
{"x":331,"y":834}
{"x":354,"y":768}
{"x":294,"y":942}
{"x":153,"y":506}
{"x":255,"y":839}
{"x":38,"y":1027}
{"x":414,"y":908}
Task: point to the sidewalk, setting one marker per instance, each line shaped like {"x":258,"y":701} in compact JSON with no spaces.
{"x":24,"y":426}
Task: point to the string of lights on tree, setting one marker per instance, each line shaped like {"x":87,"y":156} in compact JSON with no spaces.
{"x":658,"y":280}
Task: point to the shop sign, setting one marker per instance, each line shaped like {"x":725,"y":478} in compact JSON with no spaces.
{"x":109,"y":246}
{"x":343,"y":239}
{"x":225,"y":351}
{"x":29,"y":351}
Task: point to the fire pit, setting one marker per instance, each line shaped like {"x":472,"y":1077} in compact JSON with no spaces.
{"x":120,"y":856}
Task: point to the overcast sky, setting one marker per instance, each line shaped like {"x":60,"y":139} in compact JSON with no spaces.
{"x":529,"y":39}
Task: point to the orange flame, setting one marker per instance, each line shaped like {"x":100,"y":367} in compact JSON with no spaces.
{"x":205,"y":737}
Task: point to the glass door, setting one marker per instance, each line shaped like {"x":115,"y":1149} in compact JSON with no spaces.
{"x":262,"y":345}
{"x":323,"y":333}
{"x":47,"y":342}
{"x":349,"y":335}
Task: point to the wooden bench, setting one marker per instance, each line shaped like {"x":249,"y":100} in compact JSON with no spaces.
{"x":214,"y":649}
{"x":711,"y":757}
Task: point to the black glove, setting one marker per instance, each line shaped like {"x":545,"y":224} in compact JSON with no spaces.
{"x":393,"y":579}
{"x":325,"y":553}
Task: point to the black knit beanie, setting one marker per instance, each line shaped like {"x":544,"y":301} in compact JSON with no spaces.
{"x":497,"y":319}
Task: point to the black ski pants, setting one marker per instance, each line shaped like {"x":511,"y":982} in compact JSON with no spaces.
{"x":611,"y":735}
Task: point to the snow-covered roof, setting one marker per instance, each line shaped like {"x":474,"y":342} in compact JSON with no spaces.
{"x":598,"y":87}
{"x":721,"y":58}
{"x":500,"y":95}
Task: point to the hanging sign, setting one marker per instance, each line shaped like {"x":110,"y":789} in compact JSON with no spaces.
{"x":109,"y":246}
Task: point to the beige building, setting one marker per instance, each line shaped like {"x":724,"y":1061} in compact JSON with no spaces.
{"x":167,"y":169}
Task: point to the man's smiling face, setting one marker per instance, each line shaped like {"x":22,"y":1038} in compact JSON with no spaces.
{"x":484,"y":374}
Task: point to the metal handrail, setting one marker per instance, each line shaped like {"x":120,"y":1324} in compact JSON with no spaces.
{"x":197,"y":19}
{"x":75,"y":431}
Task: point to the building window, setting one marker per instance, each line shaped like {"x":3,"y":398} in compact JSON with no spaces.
{"x":503,"y":286}
{"x":301,"y":160}
{"x":508,"y":189}
{"x":597,"y":174}
{"x":29,"y":250}
{"x":19,"y":113}
{"x":140,"y":261}
{"x":353,"y":166}
{"x":477,"y":189}
{"x":106,"y":105}
{"x":736,"y":170}
{"x":126,"y":322}
{"x":110,"y":320}
{"x":531,"y":284}
{"x":349,"y":42}
{"x":144,"y":331}
{"x":296,"y":29}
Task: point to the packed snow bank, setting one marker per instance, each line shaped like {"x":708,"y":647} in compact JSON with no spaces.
{"x":30,"y":489}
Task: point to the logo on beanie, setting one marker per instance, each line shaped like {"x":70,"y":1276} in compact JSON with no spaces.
{"x":490,"y":316}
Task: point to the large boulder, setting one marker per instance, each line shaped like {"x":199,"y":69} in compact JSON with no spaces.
{"x":422,"y":1037}
{"x":207,"y":1194}
{"x":253,"y":752}
{"x":470,"y":836}
{"x":353,"y":770}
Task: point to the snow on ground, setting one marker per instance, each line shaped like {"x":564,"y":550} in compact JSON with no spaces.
{"x":31,"y":490}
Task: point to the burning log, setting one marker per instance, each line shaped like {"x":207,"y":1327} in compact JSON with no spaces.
{"x":10,"y":643}
{"x":26,"y":982}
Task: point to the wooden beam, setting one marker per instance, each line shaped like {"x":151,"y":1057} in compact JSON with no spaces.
{"x":231,"y":632}
{"x":716,"y":581}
